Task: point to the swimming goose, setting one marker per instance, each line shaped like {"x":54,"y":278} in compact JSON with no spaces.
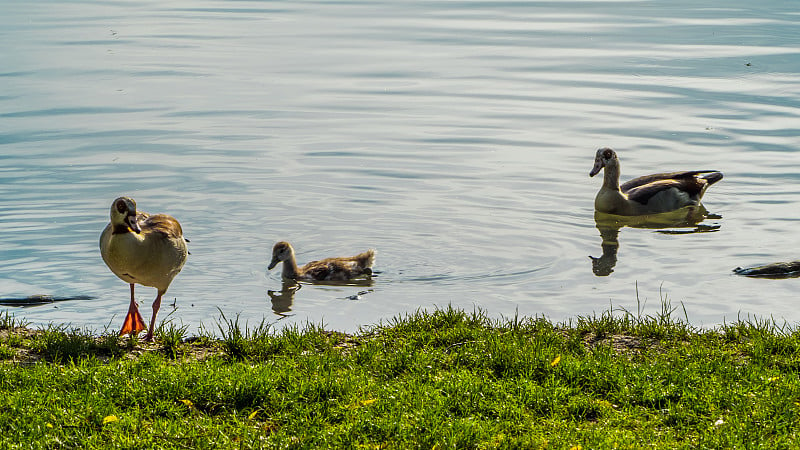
{"x":144,"y":249}
{"x":650,"y":194}
{"x":329,"y":269}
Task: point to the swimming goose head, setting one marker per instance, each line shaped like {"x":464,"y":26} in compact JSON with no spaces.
{"x":282,"y":251}
{"x":605,"y":158}
{"x":123,"y":214}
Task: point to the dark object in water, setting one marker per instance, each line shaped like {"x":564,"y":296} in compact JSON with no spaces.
{"x":775,"y":270}
{"x":36,"y":300}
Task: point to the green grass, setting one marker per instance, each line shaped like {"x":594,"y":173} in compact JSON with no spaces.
{"x":9,"y":321}
{"x":61,"y":344}
{"x":445,"y":379}
{"x":171,"y":337}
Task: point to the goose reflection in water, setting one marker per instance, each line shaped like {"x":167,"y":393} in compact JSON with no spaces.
{"x":683,"y":221}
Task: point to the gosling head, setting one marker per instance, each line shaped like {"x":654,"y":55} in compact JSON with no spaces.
{"x":281,"y":252}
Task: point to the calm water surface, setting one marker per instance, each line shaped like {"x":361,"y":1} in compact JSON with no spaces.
{"x":455,"y":137}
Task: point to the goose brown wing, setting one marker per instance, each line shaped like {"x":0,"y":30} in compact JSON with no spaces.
{"x":676,"y":176}
{"x":691,"y":185}
{"x":162,"y":223}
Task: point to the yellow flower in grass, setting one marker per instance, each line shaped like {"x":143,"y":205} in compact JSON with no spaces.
{"x":362,"y":403}
{"x":109,"y":419}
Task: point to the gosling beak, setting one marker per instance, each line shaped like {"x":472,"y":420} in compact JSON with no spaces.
{"x":133,"y":224}
{"x":598,"y":165}
{"x":274,"y":263}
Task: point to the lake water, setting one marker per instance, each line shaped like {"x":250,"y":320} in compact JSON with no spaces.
{"x":455,"y":137}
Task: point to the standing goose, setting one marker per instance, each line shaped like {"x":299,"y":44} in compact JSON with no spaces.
{"x":650,"y":194}
{"x":329,"y":269}
{"x":144,"y":249}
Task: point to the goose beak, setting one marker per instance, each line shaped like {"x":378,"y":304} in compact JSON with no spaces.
{"x":133,"y":224}
{"x":274,"y":263}
{"x":598,"y":165}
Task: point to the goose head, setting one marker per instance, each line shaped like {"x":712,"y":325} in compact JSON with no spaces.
{"x":605,"y":158}
{"x":282,"y":251}
{"x":123,"y":213}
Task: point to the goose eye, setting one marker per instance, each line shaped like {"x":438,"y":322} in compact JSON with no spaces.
{"x":121,"y":207}
{"x":607,"y":154}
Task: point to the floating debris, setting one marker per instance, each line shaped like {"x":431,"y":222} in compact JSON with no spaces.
{"x":357,"y":296}
{"x":37,"y":300}
{"x":788,"y":269}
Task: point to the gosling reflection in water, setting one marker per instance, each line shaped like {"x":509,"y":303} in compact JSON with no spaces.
{"x":282,"y":300}
{"x":609,"y":226}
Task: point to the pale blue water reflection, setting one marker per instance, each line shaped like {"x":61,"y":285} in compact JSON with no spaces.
{"x":454,"y":137}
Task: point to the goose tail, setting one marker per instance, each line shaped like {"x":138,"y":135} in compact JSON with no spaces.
{"x":712,"y":176}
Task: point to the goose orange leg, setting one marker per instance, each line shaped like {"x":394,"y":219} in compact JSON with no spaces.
{"x":156,"y":307}
{"x":133,"y":323}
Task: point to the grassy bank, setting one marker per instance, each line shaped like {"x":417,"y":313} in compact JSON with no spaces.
{"x":445,"y":379}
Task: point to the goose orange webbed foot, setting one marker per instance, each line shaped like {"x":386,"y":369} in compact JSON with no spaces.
{"x":133,"y":324}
